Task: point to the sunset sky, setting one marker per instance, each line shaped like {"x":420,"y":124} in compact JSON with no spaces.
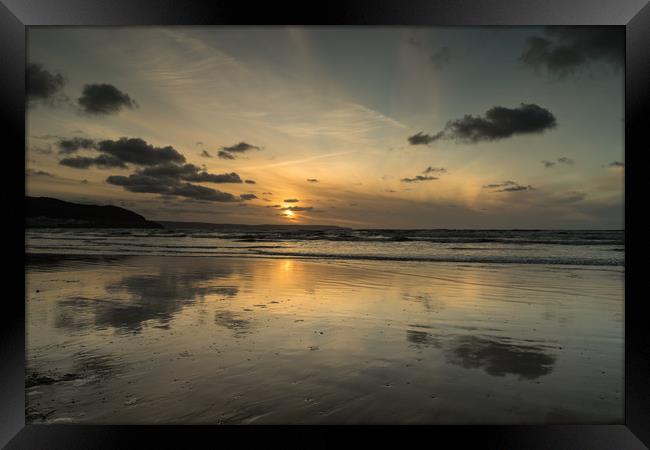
{"x":363,"y":127}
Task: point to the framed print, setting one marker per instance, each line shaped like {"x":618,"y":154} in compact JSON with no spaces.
{"x":352,"y":216}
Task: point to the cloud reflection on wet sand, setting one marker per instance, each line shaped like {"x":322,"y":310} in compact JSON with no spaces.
{"x":228,"y":340}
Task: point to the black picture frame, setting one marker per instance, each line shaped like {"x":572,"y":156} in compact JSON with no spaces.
{"x":16,"y":15}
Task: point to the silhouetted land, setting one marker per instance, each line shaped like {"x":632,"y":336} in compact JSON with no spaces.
{"x":46,"y":212}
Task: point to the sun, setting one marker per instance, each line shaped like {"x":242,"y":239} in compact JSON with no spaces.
{"x":289,"y":214}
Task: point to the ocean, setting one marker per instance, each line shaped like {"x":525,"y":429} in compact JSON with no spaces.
{"x":553,"y":247}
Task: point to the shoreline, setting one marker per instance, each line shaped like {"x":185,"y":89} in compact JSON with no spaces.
{"x":299,"y":256}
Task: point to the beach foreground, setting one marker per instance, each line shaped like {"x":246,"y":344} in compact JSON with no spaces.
{"x":229,"y":340}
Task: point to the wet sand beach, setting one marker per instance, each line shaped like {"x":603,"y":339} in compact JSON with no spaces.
{"x":147,"y":339}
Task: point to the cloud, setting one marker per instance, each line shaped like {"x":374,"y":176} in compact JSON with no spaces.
{"x":505,"y":183}
{"x":241,"y":147}
{"x":68,"y":146}
{"x":508,"y":186}
{"x":418,"y":178}
{"x":565,"y":160}
{"x":548,"y":164}
{"x":434,"y":170}
{"x":172,"y":179}
{"x":225,"y":155}
{"x":425,"y":177}
{"x":499,"y":123}
{"x":205,"y":154}
{"x":41,"y":173}
{"x":312,"y":180}
{"x":424,"y":139}
{"x":147,"y":184}
{"x":566,"y":50}
{"x":43,"y":86}
{"x":291,"y":200}
{"x":188,"y":172}
{"x":104,"y":99}
{"x":137,"y":151}
{"x":440,"y":58}
{"x":298,"y":208}
{"x":616,"y":164}
{"x":517,"y":188}
{"x":101,"y":161}
{"x":247,"y":196}
{"x":249,"y":181}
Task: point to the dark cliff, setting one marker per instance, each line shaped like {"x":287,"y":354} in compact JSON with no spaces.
{"x":45,"y":212}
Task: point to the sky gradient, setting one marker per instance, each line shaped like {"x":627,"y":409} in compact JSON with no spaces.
{"x":363,"y":127}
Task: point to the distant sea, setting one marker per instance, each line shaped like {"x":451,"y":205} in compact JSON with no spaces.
{"x":563,"y":247}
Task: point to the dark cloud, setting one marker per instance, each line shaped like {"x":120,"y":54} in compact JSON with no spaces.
{"x":291,"y":200}
{"x":118,"y":153}
{"x":505,"y":183}
{"x":247,"y":196}
{"x":517,"y":188}
{"x":508,"y":186}
{"x":430,"y":169}
{"x":566,"y":50}
{"x":418,"y":178}
{"x":424,"y":139}
{"x":67,"y":146}
{"x":104,"y":99}
{"x":172,"y":180}
{"x":440,"y":58}
{"x":616,"y":164}
{"x":233,"y":150}
{"x":188,"y":172}
{"x":249,"y":181}
{"x":43,"y":86}
{"x":241,"y":147}
{"x":101,"y":161}
{"x":137,"y":151}
{"x":548,"y":164}
{"x":41,"y":173}
{"x":147,"y":184}
{"x":297,"y":208}
{"x":205,"y":154}
{"x":225,"y":155}
{"x":312,"y":180}
{"x":499,"y":123}
{"x":267,"y":193}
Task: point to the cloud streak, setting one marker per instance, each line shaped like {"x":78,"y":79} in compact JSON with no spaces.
{"x":508,"y":186}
